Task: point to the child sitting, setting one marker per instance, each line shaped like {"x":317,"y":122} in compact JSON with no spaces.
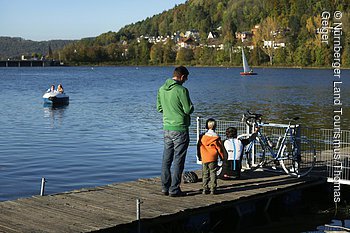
{"x":234,"y":149}
{"x":209,"y":147}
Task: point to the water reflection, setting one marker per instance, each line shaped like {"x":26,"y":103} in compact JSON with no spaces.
{"x":55,"y":114}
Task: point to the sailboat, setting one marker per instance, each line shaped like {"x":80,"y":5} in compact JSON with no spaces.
{"x":246,"y":69}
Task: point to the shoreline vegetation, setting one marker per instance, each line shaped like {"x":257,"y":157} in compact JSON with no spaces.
{"x":205,"y":66}
{"x":285,"y":33}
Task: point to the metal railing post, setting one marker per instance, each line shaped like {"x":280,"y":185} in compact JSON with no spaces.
{"x":249,"y":131}
{"x":42,"y":190}
{"x":198,"y":128}
{"x":198,"y":121}
{"x":138,"y":214}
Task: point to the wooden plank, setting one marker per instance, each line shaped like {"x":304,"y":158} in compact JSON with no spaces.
{"x":97,"y":203}
{"x":108,"y":206}
{"x":86,"y":215}
{"x":118,"y":209}
{"x":36,"y":220}
{"x":179,"y":202}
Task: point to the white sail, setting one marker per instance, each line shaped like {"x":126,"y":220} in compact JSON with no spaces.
{"x":246,"y":67}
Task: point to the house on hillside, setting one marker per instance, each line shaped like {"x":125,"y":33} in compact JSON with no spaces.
{"x":187,"y":43}
{"x":274,"y":44}
{"x":247,"y":35}
{"x":244,"y":36}
{"x":214,"y":42}
{"x":194,"y":34}
{"x":255,"y":29}
{"x":213,"y":35}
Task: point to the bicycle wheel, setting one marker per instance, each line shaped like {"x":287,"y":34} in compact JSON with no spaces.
{"x":259,"y":151}
{"x":298,"y":158}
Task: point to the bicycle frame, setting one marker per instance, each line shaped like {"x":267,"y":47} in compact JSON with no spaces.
{"x":295,"y":154}
{"x":276,"y":155}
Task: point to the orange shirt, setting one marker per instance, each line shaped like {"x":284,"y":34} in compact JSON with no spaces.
{"x":210,"y":147}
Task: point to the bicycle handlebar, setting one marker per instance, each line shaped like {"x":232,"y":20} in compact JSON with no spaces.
{"x":251,"y":118}
{"x":293,"y":119}
{"x":255,"y":118}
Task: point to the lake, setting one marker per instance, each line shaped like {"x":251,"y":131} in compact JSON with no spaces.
{"x":111,"y":132}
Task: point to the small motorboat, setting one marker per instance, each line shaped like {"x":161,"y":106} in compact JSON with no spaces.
{"x":56,"y":98}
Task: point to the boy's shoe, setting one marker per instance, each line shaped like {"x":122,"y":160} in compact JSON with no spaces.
{"x":205,"y":191}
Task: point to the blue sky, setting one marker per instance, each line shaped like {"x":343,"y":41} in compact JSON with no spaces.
{"x":40,"y":20}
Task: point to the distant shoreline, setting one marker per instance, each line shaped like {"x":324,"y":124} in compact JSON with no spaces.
{"x":204,"y":66}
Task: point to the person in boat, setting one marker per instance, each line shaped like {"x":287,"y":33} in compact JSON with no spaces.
{"x":60,"y":88}
{"x":209,"y":148}
{"x":51,"y":89}
{"x":234,"y":149}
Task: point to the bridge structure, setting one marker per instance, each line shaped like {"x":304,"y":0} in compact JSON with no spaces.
{"x":29,"y":63}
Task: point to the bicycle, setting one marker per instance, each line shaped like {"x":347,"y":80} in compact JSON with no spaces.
{"x":294,"y":153}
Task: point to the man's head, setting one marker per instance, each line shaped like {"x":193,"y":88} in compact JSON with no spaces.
{"x":181,"y":74}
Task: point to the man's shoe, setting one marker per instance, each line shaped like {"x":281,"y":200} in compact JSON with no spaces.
{"x":165,"y":193}
{"x":205,"y":191}
{"x":178,"y":194}
{"x":213,"y":192}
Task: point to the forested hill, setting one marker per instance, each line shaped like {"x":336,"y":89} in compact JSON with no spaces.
{"x":14,"y":47}
{"x":210,"y":32}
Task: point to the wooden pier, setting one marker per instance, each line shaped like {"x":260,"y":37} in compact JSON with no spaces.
{"x":112,"y":208}
{"x":29,"y":63}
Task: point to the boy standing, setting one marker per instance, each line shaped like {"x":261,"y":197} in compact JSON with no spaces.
{"x":209,"y":147}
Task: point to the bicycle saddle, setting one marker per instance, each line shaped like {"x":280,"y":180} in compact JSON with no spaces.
{"x":255,"y":115}
{"x":292,"y":118}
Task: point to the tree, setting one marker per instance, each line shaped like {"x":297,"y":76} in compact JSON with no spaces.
{"x":346,"y":28}
{"x":228,"y":32}
{"x":184,"y":56}
{"x":257,"y":56}
{"x":280,"y":56}
{"x":141,"y":52}
{"x":302,"y":56}
{"x":114,"y":52}
{"x":267,"y":32}
{"x":50,"y":53}
{"x":106,"y":38}
{"x":156,"y":54}
{"x":169,"y":53}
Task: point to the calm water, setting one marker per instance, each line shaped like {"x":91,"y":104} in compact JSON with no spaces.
{"x":111,"y":132}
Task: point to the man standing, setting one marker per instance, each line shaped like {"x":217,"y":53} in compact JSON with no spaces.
{"x":173,"y":100}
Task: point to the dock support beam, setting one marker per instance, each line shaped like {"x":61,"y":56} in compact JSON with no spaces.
{"x":267,"y":204}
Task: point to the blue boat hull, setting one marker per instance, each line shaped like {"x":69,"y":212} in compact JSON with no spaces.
{"x":56,"y":100}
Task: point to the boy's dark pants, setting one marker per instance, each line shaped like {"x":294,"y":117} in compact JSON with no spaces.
{"x":209,"y":176}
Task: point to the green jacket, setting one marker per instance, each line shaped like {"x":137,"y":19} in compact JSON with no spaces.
{"x":173,"y":100}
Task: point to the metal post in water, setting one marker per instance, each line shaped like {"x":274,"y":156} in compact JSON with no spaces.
{"x":42,"y":190}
